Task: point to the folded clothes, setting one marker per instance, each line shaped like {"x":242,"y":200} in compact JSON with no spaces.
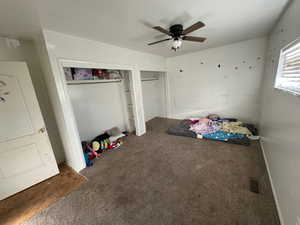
{"x":235,"y":127}
{"x":223,"y":135}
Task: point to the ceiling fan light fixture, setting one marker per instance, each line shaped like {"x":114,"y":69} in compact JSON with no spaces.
{"x":177,"y":34}
{"x":176,"y":44}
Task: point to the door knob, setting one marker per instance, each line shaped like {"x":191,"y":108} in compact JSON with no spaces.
{"x":42,"y":130}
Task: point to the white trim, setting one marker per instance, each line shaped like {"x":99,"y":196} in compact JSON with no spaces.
{"x":124,"y":102}
{"x":137,"y":102}
{"x":195,"y":113}
{"x":164,"y":79}
{"x":167,"y":94}
{"x":69,"y":116}
{"x":287,"y":91}
{"x":93,"y":64}
{"x":272,"y":184}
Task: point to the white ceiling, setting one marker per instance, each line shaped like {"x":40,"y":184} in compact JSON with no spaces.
{"x":127,"y":23}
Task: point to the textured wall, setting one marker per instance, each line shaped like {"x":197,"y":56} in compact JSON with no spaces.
{"x":97,"y":108}
{"x":224,"y":80}
{"x":280,"y":121}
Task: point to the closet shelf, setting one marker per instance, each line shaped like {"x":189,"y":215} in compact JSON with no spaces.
{"x":93,"y":81}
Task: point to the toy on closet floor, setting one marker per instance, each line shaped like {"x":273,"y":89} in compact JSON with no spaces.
{"x":110,"y":140}
{"x":89,"y":154}
{"x":116,"y":144}
{"x":100,"y":143}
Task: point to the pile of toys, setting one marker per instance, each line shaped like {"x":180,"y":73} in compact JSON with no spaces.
{"x":110,"y":140}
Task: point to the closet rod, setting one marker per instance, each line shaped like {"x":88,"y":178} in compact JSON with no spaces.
{"x":150,"y":79}
{"x":75,"y":82}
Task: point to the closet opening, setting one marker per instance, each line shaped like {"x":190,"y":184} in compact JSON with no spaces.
{"x":101,"y":99}
{"x":154,"y":94}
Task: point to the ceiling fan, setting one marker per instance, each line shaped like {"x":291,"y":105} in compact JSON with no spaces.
{"x":178,"y":34}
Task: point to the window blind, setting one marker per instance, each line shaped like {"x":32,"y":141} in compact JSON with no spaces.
{"x":288,"y":73}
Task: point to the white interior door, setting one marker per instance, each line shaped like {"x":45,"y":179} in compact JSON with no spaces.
{"x":26,"y":156}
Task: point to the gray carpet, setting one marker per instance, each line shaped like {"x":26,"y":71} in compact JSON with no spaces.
{"x":158,"y":179}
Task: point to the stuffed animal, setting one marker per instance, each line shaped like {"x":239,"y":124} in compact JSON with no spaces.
{"x":100,"y":143}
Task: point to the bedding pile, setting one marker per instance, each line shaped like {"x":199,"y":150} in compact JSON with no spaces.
{"x":216,"y":128}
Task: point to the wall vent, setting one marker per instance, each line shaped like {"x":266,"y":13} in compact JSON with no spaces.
{"x":254,"y":185}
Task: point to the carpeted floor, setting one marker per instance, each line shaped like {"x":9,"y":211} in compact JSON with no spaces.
{"x":158,"y":179}
{"x":25,"y":204}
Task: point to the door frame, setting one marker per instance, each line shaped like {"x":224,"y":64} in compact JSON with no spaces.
{"x":75,"y":157}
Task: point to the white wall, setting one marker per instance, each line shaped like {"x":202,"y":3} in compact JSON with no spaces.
{"x":97,"y":108}
{"x":26,"y":52}
{"x":280,"y":122}
{"x":204,"y":88}
{"x":153,"y":95}
{"x":61,"y":47}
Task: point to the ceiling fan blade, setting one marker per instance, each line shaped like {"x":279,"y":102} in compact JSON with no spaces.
{"x":192,"y":38}
{"x":156,"y":42}
{"x":192,"y":28}
{"x":160,"y":29}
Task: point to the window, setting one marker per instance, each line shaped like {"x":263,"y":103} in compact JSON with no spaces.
{"x":288,"y":73}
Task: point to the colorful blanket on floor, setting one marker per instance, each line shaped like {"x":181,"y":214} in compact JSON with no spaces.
{"x":222,"y":129}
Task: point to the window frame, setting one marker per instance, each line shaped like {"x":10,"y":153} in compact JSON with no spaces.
{"x":280,"y":68}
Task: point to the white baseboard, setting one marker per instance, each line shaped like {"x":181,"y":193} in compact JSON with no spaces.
{"x":186,"y":115}
{"x":272,"y":184}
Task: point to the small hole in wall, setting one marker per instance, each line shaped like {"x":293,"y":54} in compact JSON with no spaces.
{"x":219,"y":66}
{"x":250,"y":67}
{"x":244,"y":61}
{"x":236,"y":68}
{"x":180,"y":70}
{"x":258,"y":58}
{"x":202,"y":63}
{"x":2,"y":100}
